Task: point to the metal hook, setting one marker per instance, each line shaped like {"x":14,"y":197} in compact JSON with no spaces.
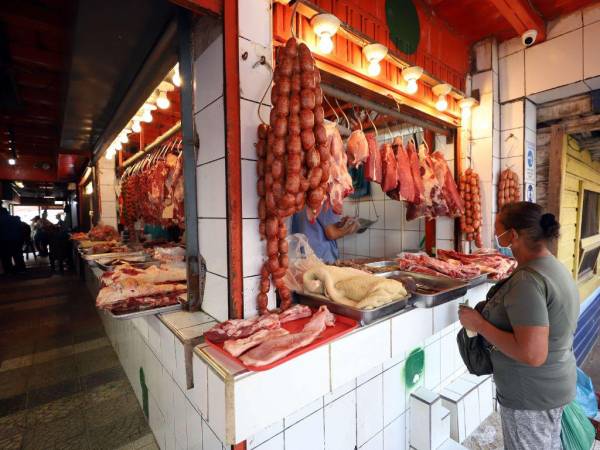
{"x":373,"y":123}
{"x":357,"y":118}
{"x":344,"y":114}
{"x":337,"y":118}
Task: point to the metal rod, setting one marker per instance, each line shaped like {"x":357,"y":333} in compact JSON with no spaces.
{"x":357,"y":100}
{"x":158,"y":141}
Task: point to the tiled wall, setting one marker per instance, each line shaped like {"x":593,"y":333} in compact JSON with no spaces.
{"x":108,"y":197}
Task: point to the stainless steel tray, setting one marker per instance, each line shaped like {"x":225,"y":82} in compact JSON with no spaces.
{"x":136,"y":264}
{"x":448,"y":289}
{"x":381,"y":264}
{"x":110,"y":255}
{"x":477,"y":280}
{"x":362,"y":316}
{"x":146,"y":312}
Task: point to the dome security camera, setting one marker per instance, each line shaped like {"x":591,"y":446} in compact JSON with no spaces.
{"x":528,"y":38}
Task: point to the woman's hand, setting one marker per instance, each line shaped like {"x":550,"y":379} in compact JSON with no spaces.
{"x":470,"y":319}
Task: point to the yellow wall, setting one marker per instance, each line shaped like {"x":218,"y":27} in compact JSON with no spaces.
{"x":579,"y":167}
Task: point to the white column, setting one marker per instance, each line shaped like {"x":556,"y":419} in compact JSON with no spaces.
{"x":107,"y":195}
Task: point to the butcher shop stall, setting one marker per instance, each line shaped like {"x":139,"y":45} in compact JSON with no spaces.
{"x":227,"y":322}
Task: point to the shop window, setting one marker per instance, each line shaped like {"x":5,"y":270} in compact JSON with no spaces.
{"x":590,"y":216}
{"x":589,"y":225}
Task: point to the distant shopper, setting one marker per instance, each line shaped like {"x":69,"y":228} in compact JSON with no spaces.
{"x":11,"y":243}
{"x":60,"y":249}
{"x":530,"y":321}
{"x":41,"y":228}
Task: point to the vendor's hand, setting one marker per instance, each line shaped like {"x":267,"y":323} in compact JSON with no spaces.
{"x":470,"y":319}
{"x":351,"y":226}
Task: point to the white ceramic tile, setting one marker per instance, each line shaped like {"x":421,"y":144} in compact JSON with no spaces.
{"x":486,"y":403}
{"x":375,"y":443}
{"x":249,"y":122}
{"x":249,"y":194}
{"x":593,"y":83}
{"x":420,"y":423}
{"x":255,"y":21}
{"x":445,"y":315}
{"x":185,"y":319}
{"x":208,"y":75}
{"x":251,"y":291}
{"x":411,"y":225}
{"x":265,"y":435}
{"x":154,"y":334}
{"x":267,"y":396}
{"x":530,"y":116}
{"x":199,"y":394}
{"x":212,"y":240}
{"x":167,"y":348}
{"x":554,"y":63}
{"x":496,"y":171}
{"x":303,"y":412}
{"x":393,"y":243}
{"x":393,"y":215}
{"x":210,"y":125}
{"x":591,"y":65}
{"x":376,"y":192}
{"x":482,"y":158}
{"x":512,"y":76}
{"x":591,"y":14}
{"x":340,"y":423}
{"x":217,"y":402}
{"x":496,"y":118}
{"x":368,"y":347}
{"x":433,"y":365}
{"x":444,"y":228}
{"x":369,"y":408}
{"x":411,"y":240}
{"x":564,"y":24}
{"x":193,"y":426}
{"x":254,"y":80}
{"x":156,"y":422}
{"x":307,"y":433}
{"x":377,"y":213}
{"x":275,"y":443}
{"x":472,"y":419}
{"x":512,"y":115}
{"x":339,"y":392}
{"x":216,"y":295}
{"x":483,"y":81}
{"x":482,"y":117}
{"x":510,"y":46}
{"x":511,"y":143}
{"x":410,"y":329}
{"x":369,"y":375}
{"x":349,"y":243}
{"x":210,"y":440}
{"x":253,"y":247}
{"x":363,"y":243}
{"x":394,"y":394}
{"x":394,"y":435}
{"x":180,"y":416}
{"x":445,"y":244}
{"x":561,"y":92}
{"x":377,"y":243}
{"x":447,"y":345}
{"x":211,"y":189}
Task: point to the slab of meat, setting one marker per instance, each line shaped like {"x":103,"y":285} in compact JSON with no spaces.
{"x":496,"y":265}
{"x":166,"y":273}
{"x":143,"y":303}
{"x":413,"y":266}
{"x":357,"y":148}
{"x":340,"y":181}
{"x":241,"y":328}
{"x":294,"y":313}
{"x":435,"y":203}
{"x":406,"y":185}
{"x":130,"y":292}
{"x":462,"y":272}
{"x":415,"y":169}
{"x":373,"y":166}
{"x":277,"y":348}
{"x":390,"y":170}
{"x":236,"y":347}
{"x":449,"y":188}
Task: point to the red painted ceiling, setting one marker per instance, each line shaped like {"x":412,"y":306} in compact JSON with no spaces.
{"x":477,"y":19}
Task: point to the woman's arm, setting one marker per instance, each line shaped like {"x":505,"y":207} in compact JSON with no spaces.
{"x":334,"y":231}
{"x":528,"y":344}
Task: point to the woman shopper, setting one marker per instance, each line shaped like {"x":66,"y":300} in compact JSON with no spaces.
{"x":530,"y":321}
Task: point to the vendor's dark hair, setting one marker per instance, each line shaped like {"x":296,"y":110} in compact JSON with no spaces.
{"x":529,"y":220}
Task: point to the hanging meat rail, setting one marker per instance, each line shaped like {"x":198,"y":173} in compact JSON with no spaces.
{"x":148,"y":149}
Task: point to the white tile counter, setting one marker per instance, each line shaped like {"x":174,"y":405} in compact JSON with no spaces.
{"x":350,"y":391}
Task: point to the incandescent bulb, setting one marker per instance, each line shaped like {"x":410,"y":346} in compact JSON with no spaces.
{"x":136,"y":127}
{"x":123,"y":138}
{"x":442,"y":103}
{"x":176,"y":78}
{"x":117,"y":145}
{"x":12,"y":161}
{"x":466,"y":113}
{"x":374,"y":68}
{"x":162,"y":101}
{"x":147,"y":116}
{"x":412,"y":87}
{"x":325,"y":43}
{"x":108,"y":155}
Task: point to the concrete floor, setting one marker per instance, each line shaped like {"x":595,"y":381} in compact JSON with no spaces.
{"x":61,"y":384}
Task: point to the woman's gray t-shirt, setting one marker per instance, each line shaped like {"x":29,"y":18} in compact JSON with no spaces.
{"x":542,"y":293}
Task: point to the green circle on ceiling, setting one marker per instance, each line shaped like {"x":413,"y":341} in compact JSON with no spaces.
{"x":403,"y":23}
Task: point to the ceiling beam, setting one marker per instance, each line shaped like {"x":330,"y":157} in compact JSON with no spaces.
{"x":521,"y":16}
{"x":37,"y":57}
{"x":582,"y":124}
{"x":31,"y":15}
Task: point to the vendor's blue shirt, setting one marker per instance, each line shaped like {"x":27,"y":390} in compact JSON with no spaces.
{"x":325,"y":249}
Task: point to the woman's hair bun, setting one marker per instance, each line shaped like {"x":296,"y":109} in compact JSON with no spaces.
{"x":549,"y":225}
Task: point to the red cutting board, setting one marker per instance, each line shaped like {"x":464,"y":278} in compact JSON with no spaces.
{"x":342,"y":326}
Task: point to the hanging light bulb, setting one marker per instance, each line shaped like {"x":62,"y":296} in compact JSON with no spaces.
{"x":109,"y":155}
{"x":123,"y":138}
{"x":441,"y":90}
{"x":117,"y":145}
{"x":176,"y":78}
{"x":374,"y":53}
{"x":465,"y":106}
{"x":411,"y":75}
{"x":325,"y":26}
{"x":163,"y":101}
{"x":136,"y":127}
{"x":147,"y":116}
{"x":12,"y":161}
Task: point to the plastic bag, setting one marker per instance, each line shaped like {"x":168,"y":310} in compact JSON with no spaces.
{"x":577,"y":432}
{"x":586,"y":396}
{"x":301,"y":257}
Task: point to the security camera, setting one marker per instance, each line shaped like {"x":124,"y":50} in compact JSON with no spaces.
{"x":528,"y":38}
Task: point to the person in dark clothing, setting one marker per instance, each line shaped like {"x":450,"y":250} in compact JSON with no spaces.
{"x":11,"y":243}
{"x":59,"y":248}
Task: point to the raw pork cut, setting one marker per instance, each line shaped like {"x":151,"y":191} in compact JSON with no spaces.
{"x":130,"y":292}
{"x":236,"y":347}
{"x":357,"y":148}
{"x":415,"y":169}
{"x":340,"y":181}
{"x":449,"y":189}
{"x":294,"y":313}
{"x":277,"y":348}
{"x":435,"y":204}
{"x":241,"y":328}
{"x":390,"y":171}
{"x":406,"y":185}
{"x":441,"y":267}
{"x":496,"y":265}
{"x":373,"y":167}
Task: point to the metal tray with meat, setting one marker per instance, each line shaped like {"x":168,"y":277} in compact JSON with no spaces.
{"x":362,"y":316}
{"x":428,"y":290}
{"x":128,"y":315}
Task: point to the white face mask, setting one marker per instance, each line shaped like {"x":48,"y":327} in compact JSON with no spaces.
{"x":507,"y":251}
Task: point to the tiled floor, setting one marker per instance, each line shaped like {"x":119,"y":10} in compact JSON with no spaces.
{"x":61,"y":384}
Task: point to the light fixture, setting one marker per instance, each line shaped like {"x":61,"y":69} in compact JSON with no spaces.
{"x":411,"y":75}
{"x":89,"y":189}
{"x":109,"y":155}
{"x":19,"y":184}
{"x":12,"y":161}
{"x":147,"y":114}
{"x":325,"y":26}
{"x":58,"y":202}
{"x":123,"y":138}
{"x":441,"y":91}
{"x":163,"y":101}
{"x":117,"y":146}
{"x":465,"y":106}
{"x":176,"y":78}
{"x":136,"y":127}
{"x":374,"y":53}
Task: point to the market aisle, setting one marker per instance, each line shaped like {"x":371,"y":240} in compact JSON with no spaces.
{"x":61,"y":384}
